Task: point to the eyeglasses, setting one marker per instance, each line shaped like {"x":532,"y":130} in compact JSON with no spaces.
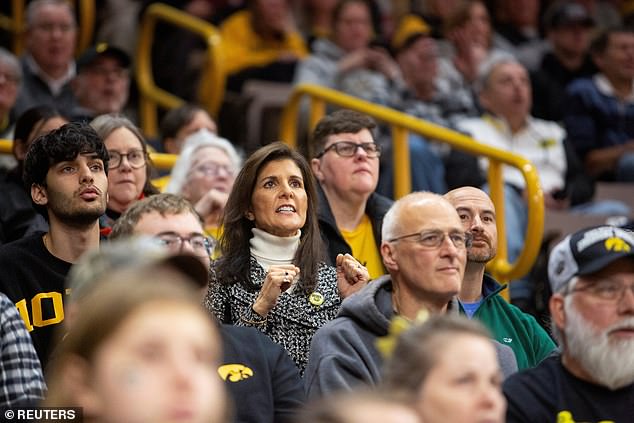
{"x":136,"y":159}
{"x":349,"y":149}
{"x":434,"y":239}
{"x":117,"y":73}
{"x":213,"y":169}
{"x":9,"y":77}
{"x":50,"y":27}
{"x":608,"y":290}
{"x":202,"y":245}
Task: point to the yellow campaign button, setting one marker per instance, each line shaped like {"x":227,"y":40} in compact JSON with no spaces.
{"x":316,"y":299}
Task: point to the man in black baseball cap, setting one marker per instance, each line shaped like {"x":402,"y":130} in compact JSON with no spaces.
{"x":568,"y":28}
{"x":567,"y":12}
{"x":591,"y":273}
{"x":102,"y":83}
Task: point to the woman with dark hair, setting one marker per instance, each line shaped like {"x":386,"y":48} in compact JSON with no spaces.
{"x":18,"y":218}
{"x":130,"y":169}
{"x":271,"y":274}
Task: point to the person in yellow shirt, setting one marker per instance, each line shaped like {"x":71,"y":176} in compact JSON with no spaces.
{"x":347,"y":168}
{"x":261,"y":42}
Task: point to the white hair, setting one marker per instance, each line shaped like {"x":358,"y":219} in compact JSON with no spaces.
{"x":33,"y":8}
{"x":391,"y":220}
{"x":10,"y":60}
{"x":564,"y":290}
{"x":202,"y":138}
{"x":609,"y":362}
{"x":491,"y":63}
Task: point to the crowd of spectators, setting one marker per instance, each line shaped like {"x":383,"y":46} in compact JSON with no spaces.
{"x":281,"y":286}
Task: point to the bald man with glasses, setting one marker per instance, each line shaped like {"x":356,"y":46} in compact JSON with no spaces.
{"x":347,"y":168}
{"x":424,"y":249}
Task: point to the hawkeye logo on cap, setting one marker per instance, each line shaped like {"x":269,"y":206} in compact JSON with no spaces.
{"x":613,"y":239}
{"x":101,"y":47}
{"x":617,"y":245}
{"x":234,"y":372}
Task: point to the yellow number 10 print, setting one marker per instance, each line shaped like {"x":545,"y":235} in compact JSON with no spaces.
{"x":36,"y":307}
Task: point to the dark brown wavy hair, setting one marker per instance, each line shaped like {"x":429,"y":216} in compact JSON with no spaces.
{"x":234,"y":264}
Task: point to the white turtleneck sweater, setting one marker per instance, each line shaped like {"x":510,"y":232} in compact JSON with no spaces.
{"x":270,"y":250}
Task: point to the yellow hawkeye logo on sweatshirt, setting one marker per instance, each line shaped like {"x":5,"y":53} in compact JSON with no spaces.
{"x":234,"y":372}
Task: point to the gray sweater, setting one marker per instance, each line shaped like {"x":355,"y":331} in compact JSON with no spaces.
{"x":343,"y":354}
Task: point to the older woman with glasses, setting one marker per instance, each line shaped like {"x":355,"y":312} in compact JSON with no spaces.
{"x":10,"y":78}
{"x":271,"y":274}
{"x":204,"y":175}
{"x":129,"y":169}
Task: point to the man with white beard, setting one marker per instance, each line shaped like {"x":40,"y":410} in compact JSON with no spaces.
{"x":591,"y":273}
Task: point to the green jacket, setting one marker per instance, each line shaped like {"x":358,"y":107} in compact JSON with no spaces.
{"x":511,"y":326}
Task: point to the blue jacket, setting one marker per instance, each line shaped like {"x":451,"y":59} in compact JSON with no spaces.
{"x":595,"y":119}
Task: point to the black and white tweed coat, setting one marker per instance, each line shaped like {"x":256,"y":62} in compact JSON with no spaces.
{"x":294,"y":319}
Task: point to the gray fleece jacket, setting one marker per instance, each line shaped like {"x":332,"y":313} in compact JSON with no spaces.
{"x":343,"y":354}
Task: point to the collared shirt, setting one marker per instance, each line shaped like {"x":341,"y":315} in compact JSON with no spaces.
{"x":605,"y":87}
{"x":595,"y":118}
{"x":55,"y":85}
{"x":540,"y":142}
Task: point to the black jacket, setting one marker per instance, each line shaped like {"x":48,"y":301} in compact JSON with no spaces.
{"x":18,"y":218}
{"x":549,"y":84}
{"x":260,"y":377}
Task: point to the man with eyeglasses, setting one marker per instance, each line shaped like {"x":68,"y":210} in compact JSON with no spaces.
{"x":424,"y":249}
{"x":102,"y":83}
{"x":48,"y":64}
{"x":480,"y":297}
{"x":591,"y":274}
{"x":171,"y":220}
{"x":262,"y":379}
{"x":347,"y":168}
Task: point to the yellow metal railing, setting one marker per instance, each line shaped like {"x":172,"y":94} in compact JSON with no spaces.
{"x":87,"y":13}
{"x":163,"y":161}
{"x":211,"y":90}
{"x":160,"y":160}
{"x":401,"y":125}
{"x":5,"y":146}
{"x":16,"y":24}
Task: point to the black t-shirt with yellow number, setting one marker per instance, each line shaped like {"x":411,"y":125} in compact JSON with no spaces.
{"x":34,"y":281}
